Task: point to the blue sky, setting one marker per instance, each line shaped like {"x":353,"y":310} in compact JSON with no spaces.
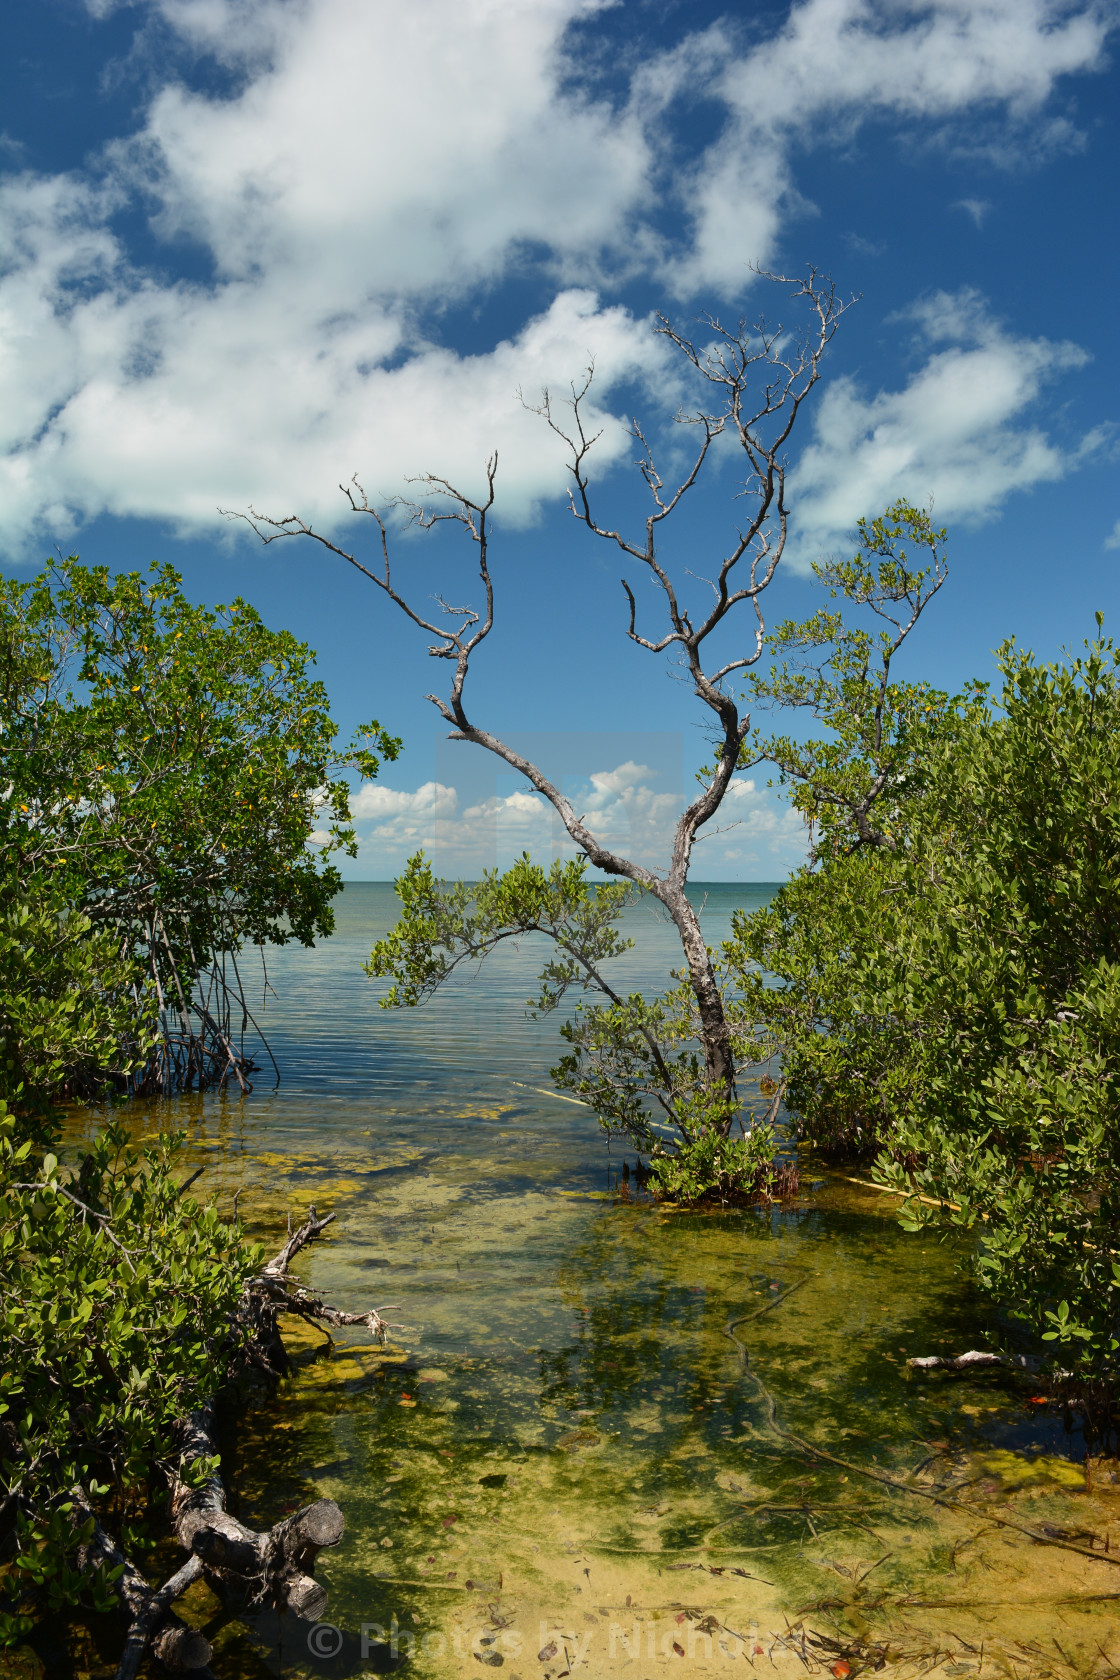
{"x":253,"y":247}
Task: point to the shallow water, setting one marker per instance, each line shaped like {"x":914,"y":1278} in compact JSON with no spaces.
{"x":566,"y":1463}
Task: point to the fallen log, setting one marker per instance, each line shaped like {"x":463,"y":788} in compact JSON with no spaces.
{"x":273,"y":1567}
{"x":153,"y":1623}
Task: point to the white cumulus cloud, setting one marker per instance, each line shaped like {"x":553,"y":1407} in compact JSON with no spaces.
{"x":609,"y":784}
{"x":378,"y":158}
{"x":955,"y":432}
{"x":836,"y":64}
{"x":431,"y":800}
{"x":754,"y":829}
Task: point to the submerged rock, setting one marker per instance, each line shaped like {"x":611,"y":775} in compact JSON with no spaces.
{"x":577,"y":1440}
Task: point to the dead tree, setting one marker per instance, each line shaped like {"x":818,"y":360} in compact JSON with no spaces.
{"x":275,"y":1567}
{"x":760,"y":376}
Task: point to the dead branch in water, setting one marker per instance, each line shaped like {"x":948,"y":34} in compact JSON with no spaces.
{"x":272,"y":1567}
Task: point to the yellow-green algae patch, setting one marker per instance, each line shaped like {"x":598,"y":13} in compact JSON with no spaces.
{"x":564,"y":1464}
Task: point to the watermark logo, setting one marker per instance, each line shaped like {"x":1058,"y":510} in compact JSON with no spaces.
{"x":324,"y":1639}
{"x":561,"y":1649}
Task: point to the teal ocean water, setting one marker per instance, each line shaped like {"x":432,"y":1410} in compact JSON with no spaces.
{"x":324,"y":1020}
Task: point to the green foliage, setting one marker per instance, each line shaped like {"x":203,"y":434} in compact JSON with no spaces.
{"x":637,"y":1063}
{"x":947,"y":1000}
{"x":710,"y":1167}
{"x":164,"y":769}
{"x":855,"y":786}
{"x":446,"y":923}
{"x":632,"y":1060}
{"x":68,"y":1003}
{"x":117,"y":1294}
{"x":848,"y":1064}
{"x":1017,"y":969}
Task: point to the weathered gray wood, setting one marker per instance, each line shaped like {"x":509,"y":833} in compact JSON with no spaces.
{"x":275,"y":1566}
{"x":272,"y":1565}
{"x":305,"y":1597}
{"x":320,"y":1524}
{"x":152,"y":1623}
{"x":974,"y":1360}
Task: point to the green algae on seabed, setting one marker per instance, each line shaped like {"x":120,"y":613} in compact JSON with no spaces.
{"x":569,"y":1470}
{"x":564,"y":1466}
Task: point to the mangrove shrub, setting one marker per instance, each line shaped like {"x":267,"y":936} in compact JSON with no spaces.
{"x":944,"y":984}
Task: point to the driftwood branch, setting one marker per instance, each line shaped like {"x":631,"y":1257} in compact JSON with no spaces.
{"x":153,"y":1623}
{"x":975,"y":1360}
{"x":273,"y":1292}
{"x":275,"y":1566}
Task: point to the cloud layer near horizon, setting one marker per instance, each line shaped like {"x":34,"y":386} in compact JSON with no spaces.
{"x":378,"y":159}
{"x":755,"y":835}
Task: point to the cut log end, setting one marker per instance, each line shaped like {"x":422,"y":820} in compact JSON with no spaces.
{"x":306,"y":1597}
{"x":273,"y":1567}
{"x":319,"y":1525}
{"x":181,"y":1648}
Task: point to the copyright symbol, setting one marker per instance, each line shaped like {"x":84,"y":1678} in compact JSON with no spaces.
{"x":324,"y":1640}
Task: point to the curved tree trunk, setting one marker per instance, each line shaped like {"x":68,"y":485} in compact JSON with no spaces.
{"x":719,"y":1060}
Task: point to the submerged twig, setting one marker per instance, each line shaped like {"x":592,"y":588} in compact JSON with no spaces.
{"x":876,"y":1475}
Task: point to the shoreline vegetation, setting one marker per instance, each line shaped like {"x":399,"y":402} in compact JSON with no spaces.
{"x":931,"y":1005}
{"x":164,"y":769}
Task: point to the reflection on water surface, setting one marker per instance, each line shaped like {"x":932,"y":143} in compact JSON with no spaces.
{"x":564,"y":1466}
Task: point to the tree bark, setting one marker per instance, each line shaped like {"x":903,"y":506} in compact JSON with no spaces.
{"x":153,"y":1625}
{"x":715,"y":1036}
{"x":275,"y":1566}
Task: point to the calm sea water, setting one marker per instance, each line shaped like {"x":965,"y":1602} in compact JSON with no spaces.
{"x":563,"y":1460}
{"x":324,"y":1021}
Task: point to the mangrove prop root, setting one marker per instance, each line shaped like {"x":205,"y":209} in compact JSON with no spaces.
{"x":274,"y":1567}
{"x":810,"y":1450}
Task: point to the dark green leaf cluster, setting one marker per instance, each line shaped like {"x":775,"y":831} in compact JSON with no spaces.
{"x":165,"y":767}
{"x":710,"y":1167}
{"x":118,"y":1293}
{"x":950,"y":1004}
{"x":70,"y":1004}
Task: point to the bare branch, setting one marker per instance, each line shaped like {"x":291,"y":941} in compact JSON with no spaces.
{"x":758,"y":378}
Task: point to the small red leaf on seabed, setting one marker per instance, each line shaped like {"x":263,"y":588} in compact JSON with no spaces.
{"x":841,"y":1669}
